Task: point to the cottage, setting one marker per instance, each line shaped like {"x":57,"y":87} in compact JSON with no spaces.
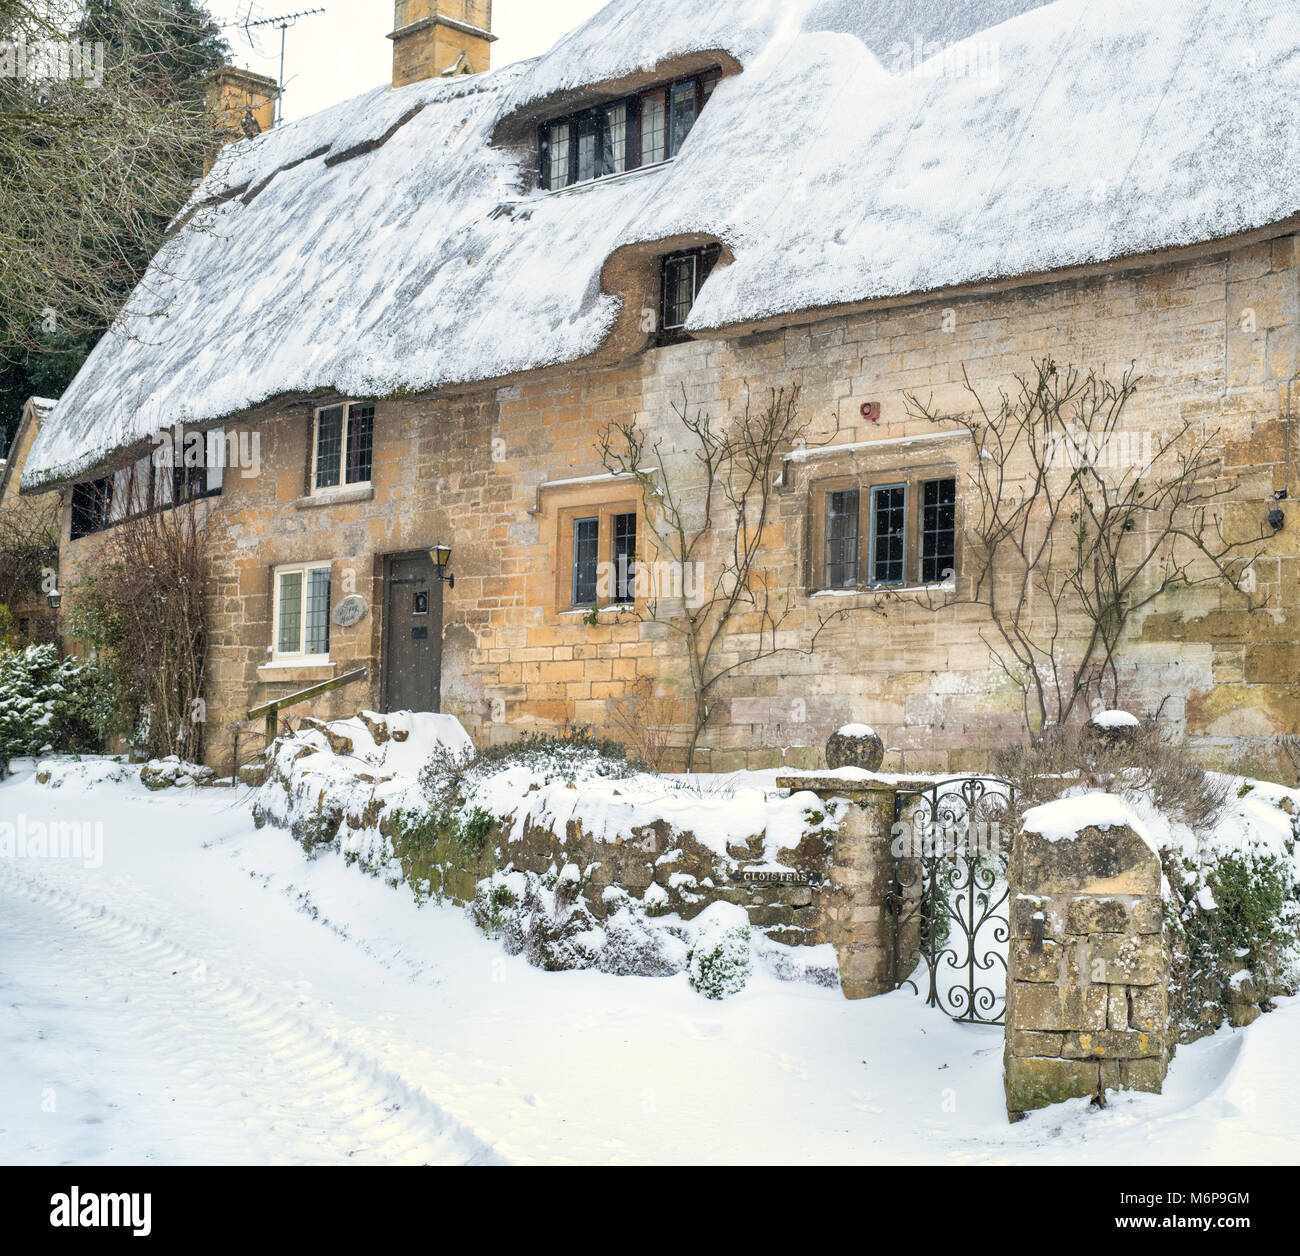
{"x":419,"y":309}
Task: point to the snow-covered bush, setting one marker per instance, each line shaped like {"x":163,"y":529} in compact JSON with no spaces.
{"x":1233,"y":918}
{"x":173,"y":772}
{"x":720,"y":961}
{"x":53,"y":704}
{"x":546,"y":919}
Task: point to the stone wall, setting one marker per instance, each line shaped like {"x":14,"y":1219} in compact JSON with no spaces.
{"x":1087,"y":973}
{"x":491,"y":472}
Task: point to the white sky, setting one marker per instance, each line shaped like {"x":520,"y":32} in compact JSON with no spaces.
{"x":344,"y":52}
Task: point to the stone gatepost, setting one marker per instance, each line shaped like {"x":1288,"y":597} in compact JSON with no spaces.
{"x":1087,"y":974}
{"x":856,"y":919}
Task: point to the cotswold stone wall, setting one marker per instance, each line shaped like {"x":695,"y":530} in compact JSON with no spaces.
{"x":491,"y":472}
{"x":1087,"y":973}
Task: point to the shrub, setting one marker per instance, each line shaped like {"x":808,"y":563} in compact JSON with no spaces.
{"x":1143,"y":765}
{"x":720,"y":961}
{"x":53,"y":704}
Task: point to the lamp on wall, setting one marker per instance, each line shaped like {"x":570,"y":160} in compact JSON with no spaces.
{"x":441,"y":555}
{"x":55,"y":599}
{"x":1276,"y":519}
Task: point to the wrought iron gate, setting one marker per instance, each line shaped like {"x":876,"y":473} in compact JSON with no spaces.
{"x":948,"y":896}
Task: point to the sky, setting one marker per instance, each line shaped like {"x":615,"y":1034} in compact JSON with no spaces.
{"x":343,"y":52}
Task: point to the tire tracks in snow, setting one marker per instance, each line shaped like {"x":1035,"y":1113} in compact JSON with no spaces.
{"x":300,"y":1093}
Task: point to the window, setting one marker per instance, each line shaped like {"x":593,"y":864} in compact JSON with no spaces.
{"x":198,"y":471}
{"x":938,"y":530}
{"x":90,"y":504}
{"x":865,"y":535}
{"x":683,"y":275}
{"x":610,"y":139}
{"x":586,"y":558}
{"x":597,"y":555}
{"x":624,"y":558}
{"x":302,"y":611}
{"x":842,"y":539}
{"x":888,"y":528}
{"x":343,"y":448}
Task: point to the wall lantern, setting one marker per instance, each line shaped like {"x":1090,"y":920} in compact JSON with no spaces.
{"x":55,"y":599}
{"x":441,"y":555}
{"x":1276,"y":518}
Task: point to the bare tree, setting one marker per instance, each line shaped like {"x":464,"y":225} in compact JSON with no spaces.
{"x":103,"y":130}
{"x":29,"y":545}
{"x":1074,"y":524}
{"x":146,"y":605}
{"x":709,"y":522}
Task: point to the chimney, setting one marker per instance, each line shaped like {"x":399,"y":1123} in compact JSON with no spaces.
{"x":242,"y":104}
{"x":440,"y":39}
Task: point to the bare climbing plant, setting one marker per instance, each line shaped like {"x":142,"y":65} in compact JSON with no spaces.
{"x":1071,"y":528}
{"x":708,"y":492}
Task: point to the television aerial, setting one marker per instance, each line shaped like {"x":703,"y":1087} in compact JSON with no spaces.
{"x":254,"y":23}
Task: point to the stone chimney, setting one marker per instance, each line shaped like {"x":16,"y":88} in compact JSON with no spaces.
{"x":242,"y":103}
{"x":440,"y":39}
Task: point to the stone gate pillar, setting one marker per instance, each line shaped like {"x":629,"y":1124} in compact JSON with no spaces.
{"x":856,"y":918}
{"x":1087,"y":974}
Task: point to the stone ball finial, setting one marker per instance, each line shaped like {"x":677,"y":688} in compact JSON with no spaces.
{"x":855,"y":746}
{"x":1114,"y":728}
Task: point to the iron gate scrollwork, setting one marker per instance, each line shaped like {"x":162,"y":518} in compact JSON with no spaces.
{"x":948,"y":895}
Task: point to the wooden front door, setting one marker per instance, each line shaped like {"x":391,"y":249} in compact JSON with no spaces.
{"x":412,"y":634}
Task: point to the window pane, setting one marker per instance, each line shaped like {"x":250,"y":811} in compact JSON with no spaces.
{"x":938,"y":530}
{"x":887,"y":509}
{"x":329,"y":446}
{"x":842,"y":539}
{"x":588,"y":146}
{"x":586,"y":557}
{"x":679,"y":290}
{"x":290,"y":641}
{"x":318,"y":611}
{"x":624,"y":558}
{"x":558,"y":161}
{"x":616,"y":139}
{"x":361,"y":423}
{"x":685,"y":112}
{"x":654,"y":128}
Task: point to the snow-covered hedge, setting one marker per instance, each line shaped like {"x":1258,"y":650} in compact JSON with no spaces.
{"x":50,"y":704}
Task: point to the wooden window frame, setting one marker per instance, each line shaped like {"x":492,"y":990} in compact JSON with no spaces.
{"x":604,"y":511}
{"x":343,"y":486}
{"x":300,"y":656}
{"x":912,"y":482}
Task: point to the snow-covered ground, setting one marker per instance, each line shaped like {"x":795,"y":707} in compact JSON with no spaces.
{"x":207,"y":994}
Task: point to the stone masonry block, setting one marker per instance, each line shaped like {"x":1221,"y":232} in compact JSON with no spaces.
{"x":1125,"y":959}
{"x":1110,"y":1044}
{"x":1035,"y":1082}
{"x":1036,"y":961}
{"x":1035,"y":1005}
{"x":1096,"y":915}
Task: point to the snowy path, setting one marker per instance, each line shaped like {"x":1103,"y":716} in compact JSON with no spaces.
{"x":209,"y":995}
{"x":259,"y":1080}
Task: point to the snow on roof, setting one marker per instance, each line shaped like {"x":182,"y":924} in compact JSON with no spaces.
{"x":864,"y":151}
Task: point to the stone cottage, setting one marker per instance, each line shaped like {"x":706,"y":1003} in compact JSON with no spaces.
{"x":403,"y":323}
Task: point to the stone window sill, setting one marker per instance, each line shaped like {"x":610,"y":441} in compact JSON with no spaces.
{"x":290,"y":673}
{"x":337,"y":497}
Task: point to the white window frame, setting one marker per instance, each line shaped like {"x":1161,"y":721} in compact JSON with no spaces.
{"x":304,"y":569}
{"x":342,"y":486}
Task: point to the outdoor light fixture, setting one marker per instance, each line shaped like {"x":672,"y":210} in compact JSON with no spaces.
{"x":1276,"y":518}
{"x":55,"y":599}
{"x":441,"y":555}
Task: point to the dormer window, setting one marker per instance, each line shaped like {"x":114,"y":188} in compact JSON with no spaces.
{"x":628,"y":134}
{"x":682,"y":275}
